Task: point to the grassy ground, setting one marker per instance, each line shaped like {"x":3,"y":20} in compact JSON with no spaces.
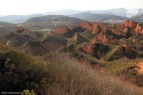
{"x":70,"y":77}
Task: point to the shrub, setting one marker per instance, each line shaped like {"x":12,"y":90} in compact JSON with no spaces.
{"x":19,"y":71}
{"x":67,"y":76}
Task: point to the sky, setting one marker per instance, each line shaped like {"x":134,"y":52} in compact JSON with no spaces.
{"x":23,"y":7}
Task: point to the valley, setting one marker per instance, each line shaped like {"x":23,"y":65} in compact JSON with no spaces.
{"x":78,"y":54}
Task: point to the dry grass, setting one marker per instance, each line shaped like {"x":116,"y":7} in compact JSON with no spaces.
{"x":67,"y":76}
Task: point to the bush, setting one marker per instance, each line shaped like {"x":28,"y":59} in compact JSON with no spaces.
{"x":67,"y":76}
{"x":19,"y":71}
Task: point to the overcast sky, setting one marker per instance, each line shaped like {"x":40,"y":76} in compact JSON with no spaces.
{"x":19,"y":7}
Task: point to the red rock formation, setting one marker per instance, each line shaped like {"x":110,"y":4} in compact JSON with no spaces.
{"x":20,"y":29}
{"x":104,"y":29}
{"x":71,"y":27}
{"x":126,"y":30}
{"x":116,"y":32}
{"x":113,"y":41}
{"x":130,"y":24}
{"x":103,"y":38}
{"x":138,"y":29}
{"x":61,"y":30}
{"x":122,"y":28}
{"x":95,"y":27}
{"x":85,"y":25}
{"x":127,"y":47}
{"x":142,"y":31}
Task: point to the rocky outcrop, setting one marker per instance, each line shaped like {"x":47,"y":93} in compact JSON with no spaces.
{"x":122,"y":28}
{"x":61,"y":30}
{"x":103,"y":38}
{"x":95,"y":27}
{"x":127,"y":47}
{"x":117,"y":32}
{"x":130,"y":24}
{"x":104,"y":29}
{"x":142,"y":31}
{"x":128,"y":52}
{"x":85,"y":25}
{"x":97,"y":50}
{"x":138,"y":29}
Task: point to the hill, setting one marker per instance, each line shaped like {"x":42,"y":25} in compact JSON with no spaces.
{"x":138,"y":18}
{"x":82,"y":15}
{"x":92,"y":17}
{"x":16,"y":19}
{"x":6,"y":27}
{"x":20,"y":36}
{"x":50,"y":21}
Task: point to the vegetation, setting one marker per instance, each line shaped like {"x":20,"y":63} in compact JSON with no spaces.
{"x":70,"y":77}
{"x":59,"y":75}
{"x":19,"y":71}
{"x":76,"y":62}
{"x":110,"y":56}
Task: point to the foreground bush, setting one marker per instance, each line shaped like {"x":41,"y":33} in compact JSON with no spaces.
{"x":19,"y":71}
{"x":67,"y":76}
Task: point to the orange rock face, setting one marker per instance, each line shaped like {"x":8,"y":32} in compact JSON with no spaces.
{"x":104,"y":29}
{"x":138,"y":29}
{"x":142,"y":31}
{"x":127,"y":47}
{"x":61,"y":30}
{"x":95,"y":27}
{"x":85,"y":25}
{"x":130,"y":24}
{"x":116,"y":32}
{"x":122,"y":28}
{"x":140,"y":67}
{"x":103,"y":38}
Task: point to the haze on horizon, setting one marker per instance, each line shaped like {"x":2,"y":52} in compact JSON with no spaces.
{"x":24,"y":7}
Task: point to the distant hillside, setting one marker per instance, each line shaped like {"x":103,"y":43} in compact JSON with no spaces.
{"x":20,"y":36}
{"x":15,"y":19}
{"x":50,"y":21}
{"x":6,"y":27}
{"x":137,"y":18}
{"x":121,"y":12}
{"x":82,"y":15}
{"x":105,"y":18}
{"x":91,"y":17}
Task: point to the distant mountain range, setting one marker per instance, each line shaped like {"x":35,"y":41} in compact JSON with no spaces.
{"x":91,"y":17}
{"x":15,"y":19}
{"x":109,"y":16}
{"x":121,"y":12}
